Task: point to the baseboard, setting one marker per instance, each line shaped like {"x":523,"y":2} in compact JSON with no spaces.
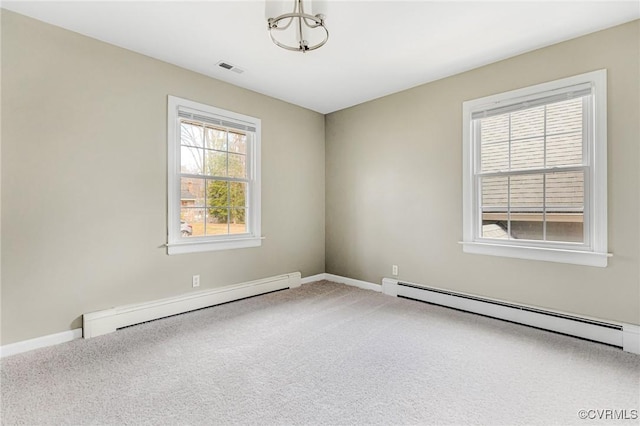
{"x":109,"y":320}
{"x":40,"y":342}
{"x":354,"y":283}
{"x":365,"y":285}
{"x":631,"y":338}
{"x":313,"y":278}
{"x":625,"y":336}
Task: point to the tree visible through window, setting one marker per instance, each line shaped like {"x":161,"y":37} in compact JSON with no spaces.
{"x":213,"y":187}
{"x":214,"y":178}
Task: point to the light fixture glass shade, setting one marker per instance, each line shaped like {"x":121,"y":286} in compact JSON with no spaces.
{"x":275,"y":8}
{"x":318,"y":7}
{"x":296,"y":28}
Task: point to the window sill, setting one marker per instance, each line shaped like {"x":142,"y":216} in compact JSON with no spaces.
{"x":201,"y":246}
{"x":575,"y":257}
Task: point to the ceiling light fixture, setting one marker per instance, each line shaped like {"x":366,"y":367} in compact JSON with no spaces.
{"x":297,"y":30}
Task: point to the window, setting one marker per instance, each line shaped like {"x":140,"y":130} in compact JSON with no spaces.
{"x":534,"y":184}
{"x":213,"y":178}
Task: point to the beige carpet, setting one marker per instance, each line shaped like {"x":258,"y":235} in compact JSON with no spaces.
{"x":321,"y":354}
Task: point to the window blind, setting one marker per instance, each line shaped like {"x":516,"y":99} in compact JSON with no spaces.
{"x":215,"y":121}
{"x":559,"y":95}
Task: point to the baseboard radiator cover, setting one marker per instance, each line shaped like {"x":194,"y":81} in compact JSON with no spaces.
{"x":625,"y":336}
{"x":109,"y":320}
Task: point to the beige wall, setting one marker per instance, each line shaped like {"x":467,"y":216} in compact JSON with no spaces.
{"x":84,"y":181}
{"x":394,"y":185}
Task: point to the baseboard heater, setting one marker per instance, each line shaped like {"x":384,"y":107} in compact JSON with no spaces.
{"x":109,"y":320}
{"x":625,"y":336}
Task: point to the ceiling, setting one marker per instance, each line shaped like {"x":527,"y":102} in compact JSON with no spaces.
{"x":375,"y":47}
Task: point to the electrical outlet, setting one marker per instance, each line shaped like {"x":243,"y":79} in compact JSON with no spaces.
{"x":195,"y":281}
{"x":394,"y":270}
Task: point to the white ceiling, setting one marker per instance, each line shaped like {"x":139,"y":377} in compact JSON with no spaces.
{"x":375,"y":47}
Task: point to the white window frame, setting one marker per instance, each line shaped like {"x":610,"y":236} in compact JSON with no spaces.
{"x":177,"y":244}
{"x":592,"y":252}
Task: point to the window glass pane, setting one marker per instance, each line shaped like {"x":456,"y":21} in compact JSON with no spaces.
{"x":191,"y":222}
{"x":526,"y":193}
{"x":237,"y":143}
{"x":494,"y":129}
{"x":494,"y":143}
{"x":237,"y":166}
{"x":192,"y":192}
{"x":215,"y":163}
{"x":237,"y":221}
{"x":237,"y":194}
{"x":570,"y":230}
{"x":494,"y":207}
{"x":527,"y":227}
{"x":191,"y":134}
{"x":217,"y":221}
{"x":495,"y":156}
{"x":527,"y":154}
{"x":495,"y":229}
{"x":191,"y":160}
{"x":564,"y":150}
{"x":217,"y":193}
{"x":565,"y":116}
{"x":527,"y":123}
{"x":565,"y":191}
{"x":216,"y":139}
{"x":526,"y":204}
{"x":494,"y":194}
{"x":565,"y":206}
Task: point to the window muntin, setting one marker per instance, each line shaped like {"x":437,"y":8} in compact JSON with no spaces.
{"x":214,"y":181}
{"x":532,"y":172}
{"x":534,"y":165}
{"x":214,"y":190}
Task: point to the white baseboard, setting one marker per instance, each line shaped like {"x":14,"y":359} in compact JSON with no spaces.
{"x":106,"y":321}
{"x":626,"y":336}
{"x":342,"y":280}
{"x":355,"y":283}
{"x":313,"y":278}
{"x":631,"y":338}
{"x":109,"y":320}
{"x":40,"y":342}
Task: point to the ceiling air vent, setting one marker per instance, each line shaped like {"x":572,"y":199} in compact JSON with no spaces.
{"x":230,"y":67}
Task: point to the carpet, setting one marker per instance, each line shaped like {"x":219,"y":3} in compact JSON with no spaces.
{"x":324,"y":353}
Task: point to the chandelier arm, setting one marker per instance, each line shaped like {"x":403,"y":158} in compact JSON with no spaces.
{"x":314,"y":25}
{"x":322,"y":43}
{"x":296,"y":15}
{"x":302,"y":42}
{"x":298,"y":49}
{"x":275,"y":21}
{"x":317,"y":20}
{"x":284,"y":46}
